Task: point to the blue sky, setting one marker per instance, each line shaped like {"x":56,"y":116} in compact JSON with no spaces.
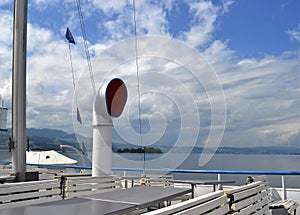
{"x":255,"y":28}
{"x":253,"y":48}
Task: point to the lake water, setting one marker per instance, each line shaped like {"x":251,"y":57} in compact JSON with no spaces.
{"x":229,"y":162}
{"x":218,"y":162}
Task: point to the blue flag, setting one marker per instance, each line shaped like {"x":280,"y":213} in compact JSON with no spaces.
{"x":69,"y":36}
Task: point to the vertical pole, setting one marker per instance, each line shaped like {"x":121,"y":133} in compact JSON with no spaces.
{"x":19,"y":90}
{"x":283,"y":188}
{"x":219,"y":185}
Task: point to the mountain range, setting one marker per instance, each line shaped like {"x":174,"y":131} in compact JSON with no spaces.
{"x":43,"y":139}
{"x":48,"y":139}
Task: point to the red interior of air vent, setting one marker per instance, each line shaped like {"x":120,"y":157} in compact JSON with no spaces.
{"x":116,"y":96}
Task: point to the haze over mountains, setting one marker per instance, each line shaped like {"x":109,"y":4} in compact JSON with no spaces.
{"x":47,"y":139}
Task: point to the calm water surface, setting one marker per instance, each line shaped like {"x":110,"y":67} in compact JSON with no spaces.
{"x":228,"y":162}
{"x":218,"y":162}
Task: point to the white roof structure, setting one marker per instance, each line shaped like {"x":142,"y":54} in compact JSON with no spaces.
{"x":48,"y":157}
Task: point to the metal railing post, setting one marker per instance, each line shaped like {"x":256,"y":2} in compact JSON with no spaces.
{"x":219,"y":179}
{"x":283,"y":188}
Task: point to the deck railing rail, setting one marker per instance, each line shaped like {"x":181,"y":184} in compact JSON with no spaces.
{"x":206,"y":171}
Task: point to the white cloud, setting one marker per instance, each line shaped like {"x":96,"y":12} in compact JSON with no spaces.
{"x":295,"y":33}
{"x":38,"y":38}
{"x":226,"y":5}
{"x":4,"y":2}
{"x":112,"y":5}
{"x":261,"y":96}
{"x":151,"y":18}
{"x":202,"y":26}
{"x":218,"y":52}
{"x":49,"y":77}
{"x":43,"y":4}
{"x":5,"y":55}
{"x":6,"y":27}
{"x":119,"y":21}
{"x":262,"y":93}
{"x":50,"y":87}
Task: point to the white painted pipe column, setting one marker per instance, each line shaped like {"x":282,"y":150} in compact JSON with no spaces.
{"x":102,"y":136}
{"x":109,"y":102}
{"x":102,"y":150}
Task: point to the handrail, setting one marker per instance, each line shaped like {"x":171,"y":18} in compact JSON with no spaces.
{"x":240,"y":172}
{"x":243,"y":172}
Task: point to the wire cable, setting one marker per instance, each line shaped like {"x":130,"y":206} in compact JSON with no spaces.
{"x":71,"y":63}
{"x":72,"y":69}
{"x":87,"y":53}
{"x":138,"y":84}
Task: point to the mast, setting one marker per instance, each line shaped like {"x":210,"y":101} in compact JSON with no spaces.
{"x":19,"y":90}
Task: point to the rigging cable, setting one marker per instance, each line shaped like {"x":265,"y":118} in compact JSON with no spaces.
{"x":138,"y":84}
{"x":72,"y":69}
{"x":74,"y":86}
{"x":70,"y":54}
{"x":87,"y":53}
{"x":73,"y":77}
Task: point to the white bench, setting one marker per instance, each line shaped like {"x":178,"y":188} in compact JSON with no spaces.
{"x":282,"y":207}
{"x":209,"y":204}
{"x":252,"y":198}
{"x":80,"y":186}
{"x":28,"y":193}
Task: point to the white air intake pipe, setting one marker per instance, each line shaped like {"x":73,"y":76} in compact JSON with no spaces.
{"x":109,"y":103}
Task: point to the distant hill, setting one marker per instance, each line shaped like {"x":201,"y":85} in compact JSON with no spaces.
{"x":50,"y":133}
{"x":43,"y":139}
{"x":47,"y":139}
{"x":279,"y":150}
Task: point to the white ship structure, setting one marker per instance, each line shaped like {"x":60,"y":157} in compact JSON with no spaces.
{"x":53,"y":184}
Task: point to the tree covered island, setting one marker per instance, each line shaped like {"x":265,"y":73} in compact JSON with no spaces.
{"x":148,"y":150}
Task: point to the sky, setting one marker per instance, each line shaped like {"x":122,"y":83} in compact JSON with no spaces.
{"x":210,"y":71}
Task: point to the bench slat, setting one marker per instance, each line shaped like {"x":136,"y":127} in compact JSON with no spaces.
{"x":205,"y":207}
{"x":262,"y":203}
{"x":224,"y":209}
{"x":87,"y":192}
{"x":27,"y":183}
{"x":87,"y":186}
{"x":262,"y":211}
{"x":249,"y":199}
{"x":28,"y":195}
{"x":287,"y":204}
{"x":94,"y":180}
{"x":82,"y":179}
{"x":246,"y":193}
{"x":242,"y":204}
{"x":247,"y":210}
{"x":241,"y":188}
{"x":30,"y":187}
{"x":186,"y":204}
